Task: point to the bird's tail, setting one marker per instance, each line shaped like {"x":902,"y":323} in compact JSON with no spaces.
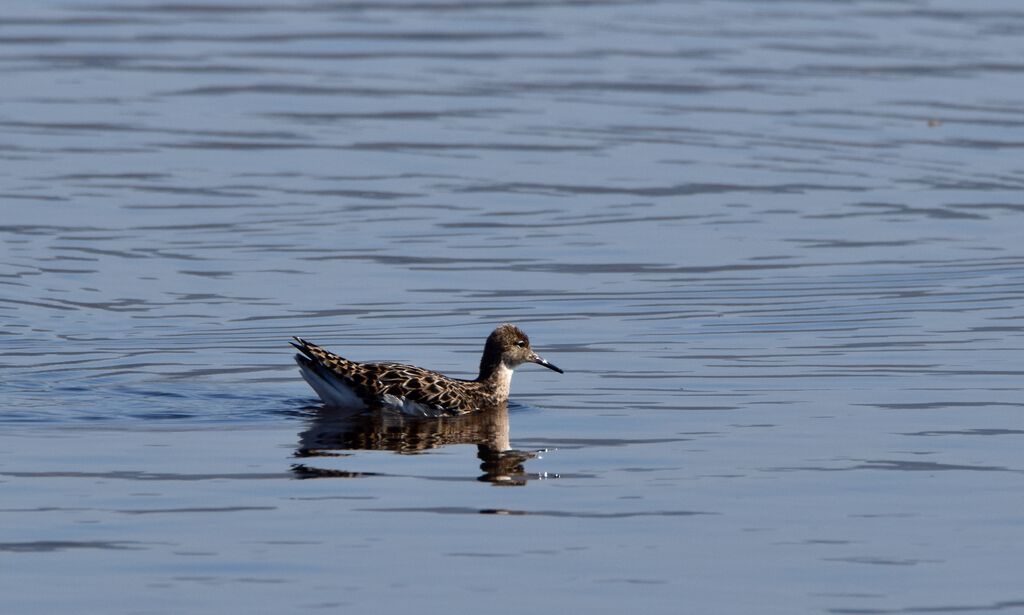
{"x":324,"y":371}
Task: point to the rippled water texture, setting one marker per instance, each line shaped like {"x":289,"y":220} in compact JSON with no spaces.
{"x":776,"y":246}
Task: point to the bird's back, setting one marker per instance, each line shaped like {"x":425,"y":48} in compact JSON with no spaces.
{"x":414,"y":390}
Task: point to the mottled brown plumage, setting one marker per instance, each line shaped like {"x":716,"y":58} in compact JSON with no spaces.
{"x":415,"y":390}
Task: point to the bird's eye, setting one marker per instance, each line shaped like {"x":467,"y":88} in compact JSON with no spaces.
{"x":521,"y":343}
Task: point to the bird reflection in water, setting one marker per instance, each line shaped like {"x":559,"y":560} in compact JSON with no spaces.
{"x":331,"y":431}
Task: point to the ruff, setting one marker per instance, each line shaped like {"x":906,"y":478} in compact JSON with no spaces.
{"x":414,"y":390}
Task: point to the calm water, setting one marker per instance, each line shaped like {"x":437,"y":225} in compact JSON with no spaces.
{"x":775,"y":245}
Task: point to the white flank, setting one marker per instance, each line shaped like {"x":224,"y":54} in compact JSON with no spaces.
{"x":411,"y":408}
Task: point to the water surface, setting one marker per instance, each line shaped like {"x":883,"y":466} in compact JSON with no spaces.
{"x":776,"y":247}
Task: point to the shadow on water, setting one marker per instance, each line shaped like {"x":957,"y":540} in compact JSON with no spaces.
{"x":333,"y":430}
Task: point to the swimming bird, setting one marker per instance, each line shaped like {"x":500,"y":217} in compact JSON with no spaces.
{"x":414,"y":390}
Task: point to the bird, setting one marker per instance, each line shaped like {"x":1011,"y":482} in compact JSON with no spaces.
{"x":416,"y":391}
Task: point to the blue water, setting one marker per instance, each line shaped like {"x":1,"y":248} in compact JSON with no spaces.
{"x":775,"y":246}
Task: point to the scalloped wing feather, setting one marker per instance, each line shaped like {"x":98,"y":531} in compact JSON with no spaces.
{"x":418,"y":387}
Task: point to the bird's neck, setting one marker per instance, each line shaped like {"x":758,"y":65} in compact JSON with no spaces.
{"x":497,"y":380}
